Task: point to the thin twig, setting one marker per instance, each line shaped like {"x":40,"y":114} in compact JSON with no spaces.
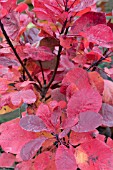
{"x":38,"y":82}
{"x":55,"y":70}
{"x":71,"y":5}
{"x":96,"y":63}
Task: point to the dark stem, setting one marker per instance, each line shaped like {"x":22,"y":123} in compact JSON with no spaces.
{"x":71,"y":5}
{"x":46,"y":87}
{"x":38,"y":82}
{"x":96,"y":63}
{"x":16,"y":54}
{"x":55,"y":70}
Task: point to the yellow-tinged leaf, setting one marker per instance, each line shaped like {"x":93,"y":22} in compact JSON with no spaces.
{"x":80,"y":156}
{"x":5,"y":109}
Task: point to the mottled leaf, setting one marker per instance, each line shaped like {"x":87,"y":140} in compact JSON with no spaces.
{"x":7,"y":160}
{"x":65,"y":159}
{"x":13,"y":137}
{"x":94,"y":154}
{"x":95,"y":35}
{"x":32,"y":123}
{"x":87,"y":20}
{"x":30,"y":148}
{"x":88,"y":121}
{"x":107,"y":114}
{"x":87,"y":99}
{"x":77,"y":76}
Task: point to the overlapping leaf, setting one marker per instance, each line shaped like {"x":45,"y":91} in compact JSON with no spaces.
{"x":77,"y":76}
{"x":108,"y":92}
{"x":94,"y":154}
{"x":30,"y":148}
{"x":107,"y":114}
{"x":86,"y":99}
{"x":13,"y":137}
{"x":32,"y":123}
{"x":7,"y":160}
{"x":88,"y":20}
{"x":65,"y":159}
{"x":88,"y":121}
{"x":95,"y":35}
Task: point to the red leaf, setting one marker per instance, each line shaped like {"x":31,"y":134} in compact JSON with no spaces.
{"x":77,"y":138}
{"x":21,"y":7}
{"x":41,"y":53}
{"x":88,"y":121}
{"x":77,"y":76}
{"x":107,"y":114}
{"x":26,"y":96}
{"x":13,"y":137}
{"x":7,"y":160}
{"x":55,"y":117}
{"x":69,"y":122}
{"x":84,"y":4}
{"x":3,"y":85}
{"x":30,"y":148}
{"x":45,"y":114}
{"x":65,"y":159}
{"x":108,"y":92}
{"x":87,"y":20}
{"x":86,"y":99}
{"x":96,"y":81}
{"x":9,"y":5}
{"x":95,"y":34}
{"x":25,"y":165}
{"x":12,"y":24}
{"x":43,"y":161}
{"x":94,"y":155}
{"x":32,"y":123}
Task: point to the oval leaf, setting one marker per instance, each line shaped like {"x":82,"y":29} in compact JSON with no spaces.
{"x":30,"y":148}
{"x":88,"y":121}
{"x":32,"y":123}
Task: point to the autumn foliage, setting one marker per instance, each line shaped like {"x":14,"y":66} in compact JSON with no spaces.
{"x":51,"y":58}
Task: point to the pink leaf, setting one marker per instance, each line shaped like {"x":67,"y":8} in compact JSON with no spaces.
{"x":84,"y":4}
{"x":24,"y":165}
{"x":65,"y":159}
{"x":12,"y":24}
{"x":77,"y":76}
{"x":107,"y":114}
{"x":108,"y":92}
{"x":87,"y":20}
{"x":69,"y":122}
{"x":88,"y":121}
{"x":30,"y":148}
{"x":13,"y":137}
{"x":44,"y":160}
{"x":7,"y":160}
{"x":26,"y":96}
{"x":32,"y":123}
{"x":95,"y":34}
{"x":87,"y":99}
{"x":96,"y":155}
{"x":41,"y":53}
